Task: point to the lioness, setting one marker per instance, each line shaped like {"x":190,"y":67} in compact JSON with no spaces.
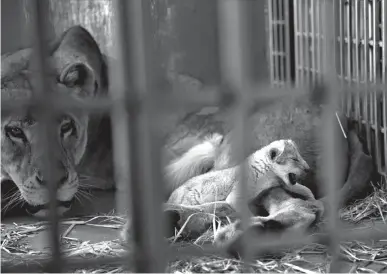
{"x":83,"y":148}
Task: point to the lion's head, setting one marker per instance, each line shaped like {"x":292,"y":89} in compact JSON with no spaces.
{"x":77,"y":69}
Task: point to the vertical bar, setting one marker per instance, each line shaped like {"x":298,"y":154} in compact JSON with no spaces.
{"x":341,"y":27}
{"x":357,"y":62}
{"x":297,"y":44}
{"x":349,"y":59}
{"x":119,"y":84}
{"x":235,"y":71}
{"x":330,"y":165}
{"x":385,"y":128}
{"x":271,"y":40}
{"x":366,"y":102}
{"x":275,"y":43}
{"x":319,"y":37}
{"x":148,"y":228}
{"x":307,"y":44}
{"x":42,"y":93}
{"x":281,"y":43}
{"x":375,"y":11}
{"x":302,"y":38}
{"x":383,"y":22}
{"x":313,"y":38}
{"x":376,"y":61}
{"x":384,"y":75}
{"x":287,"y":41}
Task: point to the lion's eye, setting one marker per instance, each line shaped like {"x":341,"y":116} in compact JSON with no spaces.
{"x":295,"y":159}
{"x":67,"y":128}
{"x":15,"y":132}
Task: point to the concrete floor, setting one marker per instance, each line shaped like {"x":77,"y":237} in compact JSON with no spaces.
{"x":103,"y":203}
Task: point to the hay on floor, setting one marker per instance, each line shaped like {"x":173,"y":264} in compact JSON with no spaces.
{"x":362,"y":257}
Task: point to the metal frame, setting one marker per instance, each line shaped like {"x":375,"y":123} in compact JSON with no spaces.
{"x":150,"y":252}
{"x":360,"y":58}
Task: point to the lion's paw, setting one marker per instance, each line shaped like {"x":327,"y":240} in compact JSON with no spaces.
{"x":126,"y":232}
{"x":215,"y":139}
{"x":227,"y":233}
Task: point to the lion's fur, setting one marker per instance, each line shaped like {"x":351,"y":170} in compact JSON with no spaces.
{"x":263,"y":171}
{"x":76,"y":69}
{"x":287,"y":212}
{"x":79,"y":69}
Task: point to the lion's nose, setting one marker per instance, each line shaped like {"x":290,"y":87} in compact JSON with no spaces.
{"x":61,"y":181}
{"x":60,"y":175}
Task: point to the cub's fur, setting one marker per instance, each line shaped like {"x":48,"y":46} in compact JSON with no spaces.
{"x":83,"y":145}
{"x":277,"y":162}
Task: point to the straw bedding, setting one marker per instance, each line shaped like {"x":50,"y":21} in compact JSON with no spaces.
{"x":362,"y":257}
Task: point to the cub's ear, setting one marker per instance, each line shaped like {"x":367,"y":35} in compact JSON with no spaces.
{"x":78,"y":61}
{"x":274,"y":153}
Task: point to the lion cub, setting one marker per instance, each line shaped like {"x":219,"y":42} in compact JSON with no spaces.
{"x":277,"y":163}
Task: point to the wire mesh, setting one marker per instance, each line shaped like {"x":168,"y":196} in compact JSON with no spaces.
{"x":313,"y":32}
{"x":360,"y":61}
{"x":279,"y":41}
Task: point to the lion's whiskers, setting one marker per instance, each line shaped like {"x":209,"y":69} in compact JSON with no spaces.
{"x":14,"y":200}
{"x":82,"y":193}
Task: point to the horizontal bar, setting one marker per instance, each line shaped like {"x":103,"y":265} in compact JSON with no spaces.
{"x":361,"y":41}
{"x":211,"y":96}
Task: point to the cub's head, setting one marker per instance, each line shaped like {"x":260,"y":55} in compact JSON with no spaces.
{"x":77,"y":70}
{"x":286,"y":161}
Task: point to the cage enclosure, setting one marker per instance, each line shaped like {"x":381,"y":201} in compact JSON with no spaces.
{"x":191,"y":88}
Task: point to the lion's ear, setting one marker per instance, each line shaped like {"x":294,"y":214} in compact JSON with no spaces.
{"x":77,"y":74}
{"x":78,"y":60}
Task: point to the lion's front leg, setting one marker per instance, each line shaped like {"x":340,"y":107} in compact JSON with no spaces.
{"x":191,"y":221}
{"x":195,"y":220}
{"x":360,"y":171}
{"x":301,"y":190}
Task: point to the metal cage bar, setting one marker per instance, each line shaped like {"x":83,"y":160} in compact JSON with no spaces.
{"x":384,"y":80}
{"x":301,"y":33}
{"x":306,"y":36}
{"x":147,"y":241}
{"x":314,"y":38}
{"x":296,"y":42}
{"x":42,"y":94}
{"x":330,"y":142}
{"x":341,"y":49}
{"x":276,"y":37}
{"x":357,"y":61}
{"x":287,"y":41}
{"x":281,"y":35}
{"x":271,"y":41}
{"x":236,"y":73}
{"x":366,"y":97}
{"x":319,"y":38}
